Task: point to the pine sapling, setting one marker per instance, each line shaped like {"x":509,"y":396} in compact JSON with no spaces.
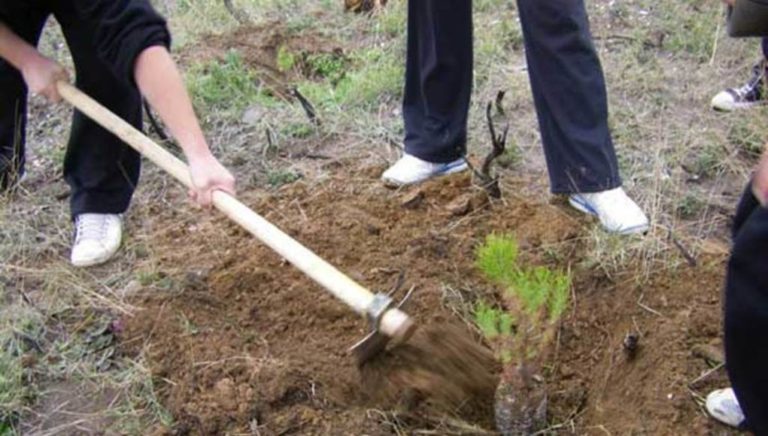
{"x":534,"y":299}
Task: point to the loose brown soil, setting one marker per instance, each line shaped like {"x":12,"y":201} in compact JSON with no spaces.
{"x":243,"y":343}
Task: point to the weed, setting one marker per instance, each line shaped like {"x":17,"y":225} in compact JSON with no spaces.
{"x":225,"y":85}
{"x":298,"y":130}
{"x":748,"y":136}
{"x":376,"y":75}
{"x":285,"y":59}
{"x":511,"y":157}
{"x":189,"y":328}
{"x":690,"y":27}
{"x":709,"y":160}
{"x":330,"y":66}
{"x":156,"y":279}
{"x":392,"y":19}
{"x":280,"y":177}
{"x":690,"y":206}
{"x":13,"y":389}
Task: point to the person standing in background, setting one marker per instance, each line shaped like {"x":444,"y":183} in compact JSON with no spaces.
{"x":568,"y":90}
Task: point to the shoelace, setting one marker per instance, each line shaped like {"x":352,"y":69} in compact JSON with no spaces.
{"x":93,"y":228}
{"x":753,"y":84}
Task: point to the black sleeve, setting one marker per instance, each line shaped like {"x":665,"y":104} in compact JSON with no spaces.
{"x":124,"y":28}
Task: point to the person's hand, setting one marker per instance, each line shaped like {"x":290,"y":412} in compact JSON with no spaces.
{"x":208,"y":175}
{"x":41,"y":74}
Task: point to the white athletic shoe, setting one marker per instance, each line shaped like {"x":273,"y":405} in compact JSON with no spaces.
{"x":410,"y":170}
{"x":746,"y":96}
{"x":97,"y":238}
{"x":723,"y":405}
{"x":615,"y":210}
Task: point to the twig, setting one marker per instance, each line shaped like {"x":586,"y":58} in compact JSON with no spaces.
{"x":692,"y":262}
{"x":270,"y":142}
{"x":238,"y":14}
{"x":499,"y":99}
{"x":714,"y":44}
{"x":498,"y":145}
{"x":649,"y":309}
{"x":706,"y":375}
{"x":29,"y":340}
{"x":498,"y":142}
{"x":159,"y":131}
{"x":309,"y":109}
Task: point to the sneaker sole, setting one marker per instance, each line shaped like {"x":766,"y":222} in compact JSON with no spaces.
{"x":95,"y":261}
{"x":392,"y":183}
{"x":737,"y":106}
{"x":583,"y":207}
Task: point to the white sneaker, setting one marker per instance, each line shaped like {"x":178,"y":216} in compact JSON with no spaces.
{"x":410,"y":170}
{"x":746,"y":96}
{"x":97,"y":238}
{"x":723,"y":405}
{"x":616,"y":211}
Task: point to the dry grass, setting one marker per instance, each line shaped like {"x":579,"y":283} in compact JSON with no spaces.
{"x":663,"y":61}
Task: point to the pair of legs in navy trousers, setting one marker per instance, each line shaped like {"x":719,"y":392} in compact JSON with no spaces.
{"x":568,"y":90}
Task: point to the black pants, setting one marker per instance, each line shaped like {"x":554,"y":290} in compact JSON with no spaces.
{"x":101,"y":170}
{"x":746,"y":312}
{"x":566,"y":79}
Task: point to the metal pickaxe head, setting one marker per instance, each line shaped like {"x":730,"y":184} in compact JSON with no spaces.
{"x":387,"y":323}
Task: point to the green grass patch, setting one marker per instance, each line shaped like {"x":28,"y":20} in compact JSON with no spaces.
{"x":279,"y":177}
{"x":227,"y":85}
{"x":375,"y":74}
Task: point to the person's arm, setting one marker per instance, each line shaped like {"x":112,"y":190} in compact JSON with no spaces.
{"x":159,"y":81}
{"x":39,"y":72}
{"x":760,"y":180}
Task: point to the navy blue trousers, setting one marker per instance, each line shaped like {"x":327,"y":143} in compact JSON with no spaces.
{"x":746,"y":312}
{"x":566,"y":79}
{"x":101,"y":170}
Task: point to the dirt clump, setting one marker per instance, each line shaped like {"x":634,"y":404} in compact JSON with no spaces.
{"x":441,"y":368}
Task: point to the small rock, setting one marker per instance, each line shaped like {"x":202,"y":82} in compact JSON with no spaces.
{"x":631,"y":344}
{"x":196,"y":280}
{"x":413,"y":199}
{"x":132,"y":288}
{"x":460,"y":206}
{"x":566,"y":372}
{"x":225,"y":387}
{"x":28,"y":360}
{"x":709,"y":352}
{"x":479,"y":200}
{"x":253,"y":115}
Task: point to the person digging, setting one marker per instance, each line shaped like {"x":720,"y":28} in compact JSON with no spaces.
{"x":120,"y":53}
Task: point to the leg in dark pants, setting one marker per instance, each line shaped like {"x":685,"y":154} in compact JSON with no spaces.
{"x":438,"y":78}
{"x":28,"y":23}
{"x":746,"y":313}
{"x":570,"y":96}
{"x":101,"y":170}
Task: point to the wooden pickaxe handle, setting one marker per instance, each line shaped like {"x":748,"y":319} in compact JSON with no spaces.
{"x":393,"y":323}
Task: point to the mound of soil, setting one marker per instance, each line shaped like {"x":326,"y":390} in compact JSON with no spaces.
{"x":260,"y":47}
{"x":242,"y":342}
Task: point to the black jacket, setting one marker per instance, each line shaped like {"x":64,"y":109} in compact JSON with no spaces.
{"x":121,"y":29}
